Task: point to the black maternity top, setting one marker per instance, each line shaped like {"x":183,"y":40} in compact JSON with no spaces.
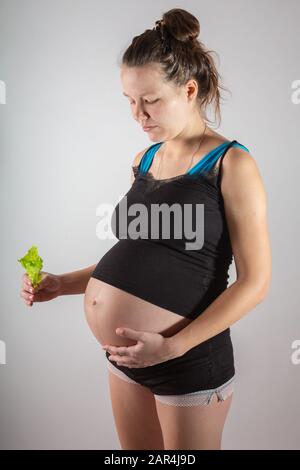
{"x":160,"y":269}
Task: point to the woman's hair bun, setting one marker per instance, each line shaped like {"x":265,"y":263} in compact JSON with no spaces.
{"x":180,"y":24}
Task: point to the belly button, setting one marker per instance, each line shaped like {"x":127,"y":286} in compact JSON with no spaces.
{"x":96,"y":301}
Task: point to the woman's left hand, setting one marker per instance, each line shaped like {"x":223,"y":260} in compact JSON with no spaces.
{"x":151,"y":349}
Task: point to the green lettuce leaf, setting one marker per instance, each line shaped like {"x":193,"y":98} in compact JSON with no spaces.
{"x":33,"y":264}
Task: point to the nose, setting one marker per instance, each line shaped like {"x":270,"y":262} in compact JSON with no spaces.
{"x":139,"y":113}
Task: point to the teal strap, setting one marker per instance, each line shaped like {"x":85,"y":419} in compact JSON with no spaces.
{"x":148,"y":157}
{"x":204,"y":165}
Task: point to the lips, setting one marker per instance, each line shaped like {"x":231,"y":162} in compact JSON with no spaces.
{"x":146,"y":128}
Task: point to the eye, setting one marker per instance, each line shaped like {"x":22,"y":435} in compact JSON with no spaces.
{"x":152,"y":102}
{"x":148,"y":102}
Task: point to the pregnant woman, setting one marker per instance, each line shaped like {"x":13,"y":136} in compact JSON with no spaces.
{"x":171,"y":370}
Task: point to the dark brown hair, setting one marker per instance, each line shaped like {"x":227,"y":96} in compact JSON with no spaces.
{"x":173,"y":44}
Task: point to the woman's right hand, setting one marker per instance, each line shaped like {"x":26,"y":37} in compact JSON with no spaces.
{"x":48,"y":289}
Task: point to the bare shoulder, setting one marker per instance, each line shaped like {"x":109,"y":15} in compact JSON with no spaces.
{"x":136,"y":162}
{"x":138,"y":157}
{"x":240,"y":176}
{"x":238,"y":162}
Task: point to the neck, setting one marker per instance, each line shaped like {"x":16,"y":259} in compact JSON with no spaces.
{"x":187,"y":140}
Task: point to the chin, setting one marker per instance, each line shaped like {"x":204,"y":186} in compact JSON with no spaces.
{"x":155,"y":137}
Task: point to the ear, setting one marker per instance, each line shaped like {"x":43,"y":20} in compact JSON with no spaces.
{"x":191,"y":89}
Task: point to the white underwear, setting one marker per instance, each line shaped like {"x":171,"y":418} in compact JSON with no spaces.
{"x":202,"y":397}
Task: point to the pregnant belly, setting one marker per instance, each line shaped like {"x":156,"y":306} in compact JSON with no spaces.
{"x":107,"y":308}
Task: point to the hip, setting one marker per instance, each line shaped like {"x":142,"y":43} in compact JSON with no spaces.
{"x":206,"y":366}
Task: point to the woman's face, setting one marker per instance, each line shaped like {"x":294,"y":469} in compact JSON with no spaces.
{"x":154,"y":102}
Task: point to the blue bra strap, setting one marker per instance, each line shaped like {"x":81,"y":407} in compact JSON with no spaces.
{"x":148,"y":156}
{"x":205,"y":164}
{"x":210,"y":159}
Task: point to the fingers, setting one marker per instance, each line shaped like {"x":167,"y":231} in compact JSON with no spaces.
{"x":27,"y":292}
{"x":28,"y":297}
{"x":121,"y":355}
{"x":117,"y":350}
{"x":27,"y":285}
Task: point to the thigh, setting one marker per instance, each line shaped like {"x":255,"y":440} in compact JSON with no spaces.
{"x":135,"y":415}
{"x":193,"y":427}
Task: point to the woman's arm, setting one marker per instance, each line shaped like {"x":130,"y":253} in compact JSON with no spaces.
{"x":75,"y":282}
{"x":245,"y":205}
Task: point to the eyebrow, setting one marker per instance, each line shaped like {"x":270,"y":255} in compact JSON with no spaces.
{"x":151,"y":93}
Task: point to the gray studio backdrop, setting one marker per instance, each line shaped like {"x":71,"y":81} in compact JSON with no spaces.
{"x":67,"y":143}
